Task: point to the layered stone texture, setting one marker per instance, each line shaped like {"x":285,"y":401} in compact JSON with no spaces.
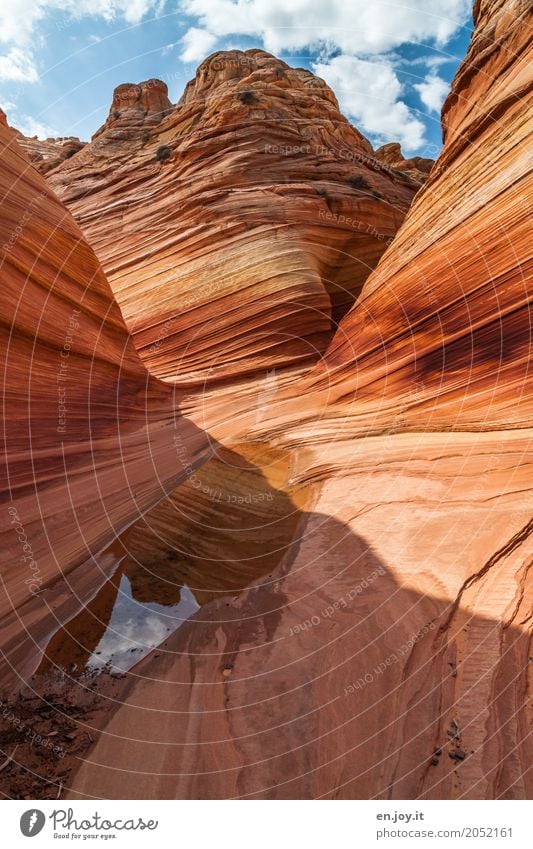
{"x":440,"y":337}
{"x":253,"y":208}
{"x":394,"y":625}
{"x":87,"y":435}
{"x":366,"y":632}
{"x":45,"y":154}
{"x":135,"y":108}
{"x":387,"y":656}
{"x":418,"y":167}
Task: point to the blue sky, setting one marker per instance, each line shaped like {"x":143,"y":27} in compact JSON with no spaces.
{"x":389,"y":63}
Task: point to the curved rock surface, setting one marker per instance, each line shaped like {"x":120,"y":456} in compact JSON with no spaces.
{"x":252,"y":208}
{"x":88,"y":434}
{"x":441,"y":336}
{"x":371,"y":637}
{"x":418,"y":167}
{"x":387,"y":655}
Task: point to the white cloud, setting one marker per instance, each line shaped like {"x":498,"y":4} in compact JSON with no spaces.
{"x":433,"y":92}
{"x":17,"y":65}
{"x":431,"y":60}
{"x":368,"y":91}
{"x":197,"y":44}
{"x":18,"y":18}
{"x":356,"y":27}
{"x":359,"y":32}
{"x":168,"y":48}
{"x":132,"y":10}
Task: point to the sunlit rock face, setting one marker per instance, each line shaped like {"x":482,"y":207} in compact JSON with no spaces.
{"x":418,"y":167}
{"x":440,"y":338}
{"x":251,"y":208}
{"x":88,"y":434}
{"x":348,"y":578}
{"x":388,"y":655}
{"x":135,"y":107}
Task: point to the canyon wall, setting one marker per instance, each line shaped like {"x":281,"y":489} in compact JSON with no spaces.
{"x":441,"y":336}
{"x":252,"y":208}
{"x":369,"y":637}
{"x":387,"y":654}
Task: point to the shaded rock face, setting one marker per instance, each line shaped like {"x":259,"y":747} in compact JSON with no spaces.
{"x":418,"y":167}
{"x":253,"y":208}
{"x":79,"y":411}
{"x":44,"y":154}
{"x":416,"y":429}
{"x":135,"y":106}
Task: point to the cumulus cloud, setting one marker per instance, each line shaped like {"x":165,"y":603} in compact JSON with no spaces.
{"x":368,"y":91}
{"x":197,"y":44}
{"x":29,"y":126}
{"x":353,"y":43}
{"x":357,"y":27}
{"x":19,"y":20}
{"x":433,"y":92}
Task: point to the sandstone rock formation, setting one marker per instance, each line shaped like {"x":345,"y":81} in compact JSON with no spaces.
{"x":253,"y":207}
{"x":136,"y":108}
{"x":417,"y":167}
{"x":450,"y":349}
{"x":83,"y":422}
{"x":371,"y":636}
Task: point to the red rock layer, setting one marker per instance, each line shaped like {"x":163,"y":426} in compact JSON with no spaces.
{"x":418,"y":167}
{"x":87,"y":434}
{"x":47,"y":155}
{"x":238,"y":228}
{"x":384,"y":654}
{"x":136,"y":107}
{"x":387,"y":655}
{"x":397,"y":612}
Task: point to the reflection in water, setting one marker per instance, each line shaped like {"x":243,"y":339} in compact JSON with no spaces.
{"x":229,"y":524}
{"x":135,"y":629}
